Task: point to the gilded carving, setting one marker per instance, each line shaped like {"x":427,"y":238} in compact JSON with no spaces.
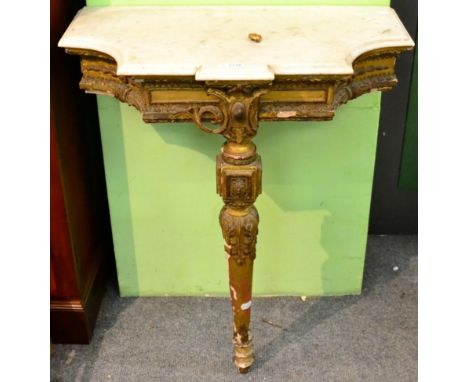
{"x":240,"y":108}
{"x":295,"y":97}
{"x":240,"y":233}
{"x":238,"y":185}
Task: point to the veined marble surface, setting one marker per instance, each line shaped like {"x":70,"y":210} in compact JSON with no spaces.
{"x":212,"y":43}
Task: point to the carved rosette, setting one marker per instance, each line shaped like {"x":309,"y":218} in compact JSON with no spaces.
{"x":238,"y":185}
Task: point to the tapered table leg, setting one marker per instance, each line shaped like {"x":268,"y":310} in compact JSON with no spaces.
{"x":240,"y":229}
{"x":239,"y":183}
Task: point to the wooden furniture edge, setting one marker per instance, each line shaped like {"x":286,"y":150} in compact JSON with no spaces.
{"x":72,"y":321}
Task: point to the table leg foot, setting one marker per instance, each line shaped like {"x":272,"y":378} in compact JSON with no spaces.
{"x":243,"y":356}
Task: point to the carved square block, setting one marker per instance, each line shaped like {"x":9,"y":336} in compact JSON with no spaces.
{"x":238,"y":185}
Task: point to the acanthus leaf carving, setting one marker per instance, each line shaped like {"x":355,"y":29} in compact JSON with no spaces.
{"x":240,"y":233}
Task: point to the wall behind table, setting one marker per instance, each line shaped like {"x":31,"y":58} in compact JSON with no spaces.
{"x":314,"y":208}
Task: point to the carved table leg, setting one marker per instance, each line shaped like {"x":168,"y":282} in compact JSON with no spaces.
{"x":240,"y":280}
{"x":239,"y":183}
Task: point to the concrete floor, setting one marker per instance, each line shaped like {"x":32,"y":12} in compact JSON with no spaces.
{"x":371,"y":337}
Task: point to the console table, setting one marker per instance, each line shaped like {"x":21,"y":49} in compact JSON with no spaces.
{"x":226,"y":69}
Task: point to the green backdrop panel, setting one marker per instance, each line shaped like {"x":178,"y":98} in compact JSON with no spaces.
{"x":314,"y":208}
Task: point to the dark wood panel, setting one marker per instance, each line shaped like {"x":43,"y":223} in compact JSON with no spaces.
{"x":73,"y":320}
{"x":81,"y":244}
{"x":63,"y":280}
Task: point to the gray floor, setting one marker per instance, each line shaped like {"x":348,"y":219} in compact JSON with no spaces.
{"x":371,"y":337}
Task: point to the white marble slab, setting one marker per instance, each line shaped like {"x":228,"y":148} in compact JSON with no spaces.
{"x":211,"y":42}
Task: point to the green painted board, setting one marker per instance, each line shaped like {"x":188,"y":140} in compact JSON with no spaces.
{"x":314,"y":209}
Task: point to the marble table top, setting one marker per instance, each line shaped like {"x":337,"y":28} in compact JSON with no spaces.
{"x":212,"y":42}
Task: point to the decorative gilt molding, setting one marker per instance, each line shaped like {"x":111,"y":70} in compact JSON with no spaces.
{"x":182,"y":99}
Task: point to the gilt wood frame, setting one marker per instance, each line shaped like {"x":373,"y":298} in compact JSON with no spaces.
{"x":236,"y":107}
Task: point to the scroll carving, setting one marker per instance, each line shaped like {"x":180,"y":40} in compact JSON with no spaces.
{"x":236,"y":113}
{"x":240,"y":108}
